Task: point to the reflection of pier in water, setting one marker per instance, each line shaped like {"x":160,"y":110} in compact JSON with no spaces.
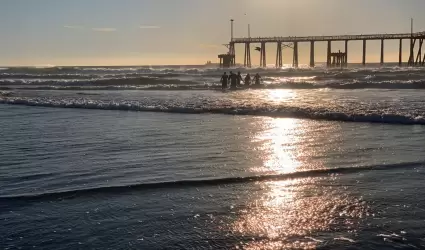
{"x":416,"y":58}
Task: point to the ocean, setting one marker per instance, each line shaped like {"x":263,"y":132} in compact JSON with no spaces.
{"x":162,"y":158}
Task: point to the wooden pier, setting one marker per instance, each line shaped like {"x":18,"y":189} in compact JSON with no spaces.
{"x":416,"y":58}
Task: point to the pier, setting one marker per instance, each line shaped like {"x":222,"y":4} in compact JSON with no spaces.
{"x":334,"y":58}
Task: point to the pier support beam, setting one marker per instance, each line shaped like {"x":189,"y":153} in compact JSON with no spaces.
{"x":400,"y":53}
{"x":279,"y":55}
{"x":419,"y":55}
{"x":346,"y":54}
{"x":423,"y":60}
{"x":328,"y":61}
{"x":411,"y":56}
{"x":232,"y":53}
{"x":247,"y":58}
{"x":263,"y":55}
{"x":295,"y":61}
{"x":364,"y":53}
{"x":382,"y":52}
{"x":312,"y":54}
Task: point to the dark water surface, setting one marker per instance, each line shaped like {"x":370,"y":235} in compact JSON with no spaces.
{"x":94,"y":179}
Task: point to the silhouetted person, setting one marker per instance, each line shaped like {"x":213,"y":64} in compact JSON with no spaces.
{"x":224,"y":79}
{"x":239,"y":79}
{"x":257,"y":78}
{"x":247,"y":80}
{"x":233,"y":80}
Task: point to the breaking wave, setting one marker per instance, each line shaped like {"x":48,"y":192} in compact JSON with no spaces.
{"x":69,"y":194}
{"x":271,"y":111}
{"x":135,"y":81}
{"x":187,"y":78}
{"x":109,"y":69}
{"x":146,"y":83}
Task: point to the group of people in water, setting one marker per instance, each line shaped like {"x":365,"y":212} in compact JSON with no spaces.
{"x":236,"y":79}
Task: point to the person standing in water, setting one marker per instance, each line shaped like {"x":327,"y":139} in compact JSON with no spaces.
{"x":239,"y":79}
{"x":257,"y":78}
{"x":247,"y":80}
{"x":223,"y":80}
{"x":233,"y":80}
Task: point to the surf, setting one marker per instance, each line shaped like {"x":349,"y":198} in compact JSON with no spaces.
{"x":282,"y":111}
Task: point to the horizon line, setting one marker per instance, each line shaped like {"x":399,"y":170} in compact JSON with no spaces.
{"x":158,"y":65}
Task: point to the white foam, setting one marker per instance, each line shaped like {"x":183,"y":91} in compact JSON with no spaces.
{"x":223,"y":108}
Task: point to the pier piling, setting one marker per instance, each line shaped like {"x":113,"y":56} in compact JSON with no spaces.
{"x":279,"y":61}
{"x":419,"y":55}
{"x":263,"y":55}
{"x":412,"y":45}
{"x":232,"y":53}
{"x":312,"y":54}
{"x":382,"y":52}
{"x":328,"y":62}
{"x":295,"y":61}
{"x":346,"y":53}
{"x":247,"y":57}
{"x":400,"y":53}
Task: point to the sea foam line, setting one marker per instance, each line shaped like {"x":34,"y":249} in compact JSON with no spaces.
{"x":270,"y":111}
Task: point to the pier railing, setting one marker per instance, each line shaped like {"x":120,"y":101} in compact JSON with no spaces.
{"x":328,"y":38}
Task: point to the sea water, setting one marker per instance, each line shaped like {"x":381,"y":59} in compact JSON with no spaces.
{"x":161,"y":158}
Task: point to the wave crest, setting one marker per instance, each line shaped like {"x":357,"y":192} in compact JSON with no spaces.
{"x":145,"y":83}
{"x":271,"y":111}
{"x":135,"y":81}
{"x":205,"y":182}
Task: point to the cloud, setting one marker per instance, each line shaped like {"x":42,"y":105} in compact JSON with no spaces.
{"x":104,"y":29}
{"x":75,"y":27}
{"x":149,"y":27}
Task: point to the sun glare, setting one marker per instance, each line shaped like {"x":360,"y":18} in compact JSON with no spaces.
{"x":282,"y":210}
{"x":281,"y":94}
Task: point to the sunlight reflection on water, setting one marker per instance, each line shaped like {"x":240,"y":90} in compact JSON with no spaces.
{"x":287,"y":214}
{"x":287,"y":146}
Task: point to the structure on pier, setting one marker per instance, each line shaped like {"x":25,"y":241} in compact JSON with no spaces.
{"x":340,"y":59}
{"x":226,"y":60}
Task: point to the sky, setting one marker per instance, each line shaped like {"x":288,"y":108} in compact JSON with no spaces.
{"x":165,"y":32}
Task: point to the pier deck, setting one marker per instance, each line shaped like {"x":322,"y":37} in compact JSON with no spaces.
{"x":290,"y":39}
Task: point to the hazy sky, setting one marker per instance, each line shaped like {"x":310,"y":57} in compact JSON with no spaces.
{"x":133,"y":32}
